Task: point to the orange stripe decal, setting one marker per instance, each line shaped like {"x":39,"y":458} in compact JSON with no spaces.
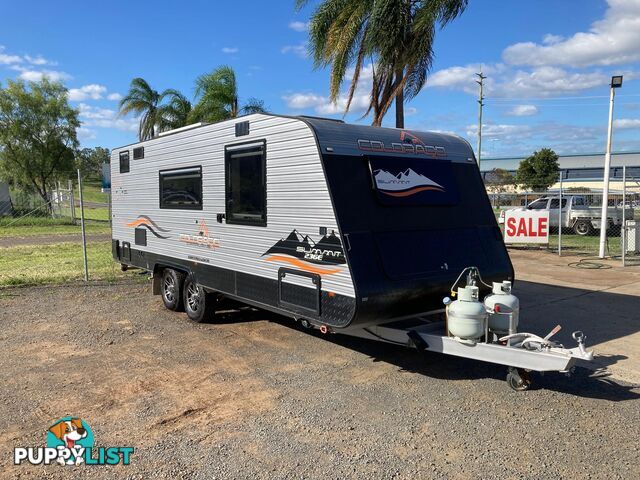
{"x":138,"y":222}
{"x":411,"y":192}
{"x":303,"y":265}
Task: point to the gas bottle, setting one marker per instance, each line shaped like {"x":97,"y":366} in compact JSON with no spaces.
{"x":467,"y":316}
{"x":503,"y":303}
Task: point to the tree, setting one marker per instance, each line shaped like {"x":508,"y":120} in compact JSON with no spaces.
{"x":498,"y":181}
{"x":144,"y":100}
{"x":90,"y":160}
{"x":539,"y":171}
{"x":216,"y":94}
{"x":175,"y":113}
{"x":396,"y":35}
{"x":37,"y":134}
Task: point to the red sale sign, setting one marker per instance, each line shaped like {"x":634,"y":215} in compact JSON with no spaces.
{"x":528,"y":226}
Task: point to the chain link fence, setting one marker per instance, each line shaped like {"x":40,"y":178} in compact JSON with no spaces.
{"x":41,"y":238}
{"x":576,"y":219}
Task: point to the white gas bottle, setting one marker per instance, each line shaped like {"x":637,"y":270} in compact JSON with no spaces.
{"x":467,"y":316}
{"x":503,"y":304}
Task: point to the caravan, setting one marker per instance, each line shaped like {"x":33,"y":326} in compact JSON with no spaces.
{"x":346,"y":228}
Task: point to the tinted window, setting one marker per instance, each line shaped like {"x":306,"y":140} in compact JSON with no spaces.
{"x":246,"y":195}
{"x":555,"y":201}
{"x":539,"y":205}
{"x":181,"y":188}
{"x":124,"y":161}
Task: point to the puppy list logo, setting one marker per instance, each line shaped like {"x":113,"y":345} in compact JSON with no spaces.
{"x":70,"y":441}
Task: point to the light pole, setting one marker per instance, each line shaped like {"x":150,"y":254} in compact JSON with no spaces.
{"x":616,"y":82}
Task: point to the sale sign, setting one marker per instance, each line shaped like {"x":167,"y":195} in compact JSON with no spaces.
{"x":526,"y":226}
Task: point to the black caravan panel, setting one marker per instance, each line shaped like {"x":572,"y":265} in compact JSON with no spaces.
{"x":414,"y":211}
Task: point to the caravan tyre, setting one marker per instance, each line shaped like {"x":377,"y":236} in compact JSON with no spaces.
{"x":172,"y":283}
{"x":197,"y":302}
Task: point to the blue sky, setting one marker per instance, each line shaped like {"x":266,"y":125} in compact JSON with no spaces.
{"x":548,"y":65}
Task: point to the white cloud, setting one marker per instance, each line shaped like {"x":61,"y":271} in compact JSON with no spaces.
{"x":92,"y":91}
{"x":299,"y":50}
{"x":504,"y":81}
{"x":38,"y":60}
{"x":304,"y":100}
{"x":612,"y":40}
{"x":550,"y":39}
{"x":114,"y":96}
{"x":6,"y":59}
{"x":523,"y":111}
{"x":299,"y":26}
{"x":106,"y":118}
{"x":86,"y":134}
{"x":323,"y":105}
{"x":627,"y":123}
{"x":230,"y":49}
{"x":37,"y":75}
{"x":409,"y":111}
{"x":500,"y":131}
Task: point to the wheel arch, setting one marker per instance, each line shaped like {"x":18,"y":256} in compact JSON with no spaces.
{"x":158,"y":268}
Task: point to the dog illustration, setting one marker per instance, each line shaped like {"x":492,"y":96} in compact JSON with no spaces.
{"x":69,"y":431}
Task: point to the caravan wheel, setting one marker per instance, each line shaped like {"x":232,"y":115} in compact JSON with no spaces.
{"x":172,"y":283}
{"x":197,"y":303}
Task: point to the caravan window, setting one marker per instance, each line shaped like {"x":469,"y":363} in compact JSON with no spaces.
{"x":124,"y":161}
{"x":246,"y":192}
{"x":181,"y":188}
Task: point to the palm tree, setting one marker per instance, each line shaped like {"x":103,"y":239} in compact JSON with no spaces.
{"x":396,"y":35}
{"x":143,"y":100}
{"x":216,"y":94}
{"x":175,"y":113}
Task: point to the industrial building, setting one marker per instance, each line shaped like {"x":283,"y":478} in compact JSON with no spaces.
{"x":580,"y":171}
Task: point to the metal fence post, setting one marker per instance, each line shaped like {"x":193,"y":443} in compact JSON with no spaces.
{"x":84,"y":236}
{"x":72,"y":201}
{"x":560,"y":218}
{"x":623,"y":232}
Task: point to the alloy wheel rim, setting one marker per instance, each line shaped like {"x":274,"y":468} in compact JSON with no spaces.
{"x":193,"y":297}
{"x":169,"y":289}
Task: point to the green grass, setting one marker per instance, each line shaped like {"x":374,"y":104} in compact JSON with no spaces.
{"x":35,"y":226}
{"x":100,"y":213}
{"x":91,"y":193}
{"x":59,"y":263}
{"x":585,"y":243}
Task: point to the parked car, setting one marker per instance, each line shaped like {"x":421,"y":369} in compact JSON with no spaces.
{"x":577,"y":215}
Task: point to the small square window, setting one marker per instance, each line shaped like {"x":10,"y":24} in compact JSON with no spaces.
{"x":138,"y":153}
{"x":124,"y":161}
{"x":242,"y":128}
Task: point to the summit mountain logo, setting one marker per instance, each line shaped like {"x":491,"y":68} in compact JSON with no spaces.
{"x":301,"y":251}
{"x":404,"y":184}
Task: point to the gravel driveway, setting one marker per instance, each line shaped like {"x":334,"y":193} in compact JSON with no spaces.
{"x":252,"y":397}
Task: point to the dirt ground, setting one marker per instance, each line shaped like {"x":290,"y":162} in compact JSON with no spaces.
{"x":251,"y":396}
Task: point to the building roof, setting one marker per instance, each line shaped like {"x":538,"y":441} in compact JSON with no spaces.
{"x":590,"y":160}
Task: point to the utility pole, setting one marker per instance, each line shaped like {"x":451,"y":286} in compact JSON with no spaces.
{"x":480,"y":105}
